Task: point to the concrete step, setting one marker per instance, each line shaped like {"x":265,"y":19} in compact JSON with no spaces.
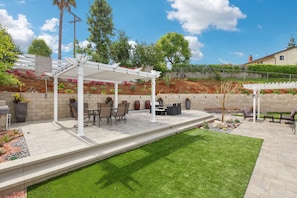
{"x":21,"y":173}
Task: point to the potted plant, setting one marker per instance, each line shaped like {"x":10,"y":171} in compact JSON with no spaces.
{"x":188,"y":103}
{"x":20,"y":107}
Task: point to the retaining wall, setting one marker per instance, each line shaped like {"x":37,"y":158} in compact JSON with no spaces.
{"x":41,"y":107}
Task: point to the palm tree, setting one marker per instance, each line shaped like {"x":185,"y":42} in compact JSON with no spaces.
{"x":62,"y":4}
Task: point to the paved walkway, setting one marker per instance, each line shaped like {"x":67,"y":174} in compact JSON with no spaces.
{"x":274,"y":175}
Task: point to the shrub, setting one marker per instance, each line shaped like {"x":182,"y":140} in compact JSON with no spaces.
{"x":61,"y":86}
{"x":68,"y":91}
{"x":205,"y":125}
{"x":133,"y":88}
{"x":2,"y":141}
{"x":292,"y":91}
{"x":2,"y":151}
{"x":167,"y":80}
{"x":6,"y":138}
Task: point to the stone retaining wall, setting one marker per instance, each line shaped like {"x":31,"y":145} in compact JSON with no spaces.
{"x":42,"y":108}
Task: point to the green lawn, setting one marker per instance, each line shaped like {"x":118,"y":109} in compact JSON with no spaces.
{"x":196,"y":163}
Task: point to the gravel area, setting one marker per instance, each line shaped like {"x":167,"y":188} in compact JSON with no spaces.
{"x":20,"y":143}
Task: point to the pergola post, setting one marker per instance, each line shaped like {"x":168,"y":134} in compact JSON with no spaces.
{"x":80,"y":100}
{"x":116,"y":94}
{"x":254,"y":105}
{"x":153,"y":94}
{"x":259,"y":100}
{"x":55,"y":99}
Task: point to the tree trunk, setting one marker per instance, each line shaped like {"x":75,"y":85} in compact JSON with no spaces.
{"x":60,"y":33}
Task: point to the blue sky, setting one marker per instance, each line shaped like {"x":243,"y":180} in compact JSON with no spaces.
{"x":219,"y":31}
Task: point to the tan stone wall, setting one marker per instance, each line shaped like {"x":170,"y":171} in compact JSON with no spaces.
{"x":42,"y":108}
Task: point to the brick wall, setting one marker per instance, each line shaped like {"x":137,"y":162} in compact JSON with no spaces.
{"x":42,"y":108}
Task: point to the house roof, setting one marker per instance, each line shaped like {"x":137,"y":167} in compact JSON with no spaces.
{"x":270,"y":55}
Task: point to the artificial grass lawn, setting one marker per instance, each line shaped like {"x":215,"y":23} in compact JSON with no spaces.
{"x":196,"y":163}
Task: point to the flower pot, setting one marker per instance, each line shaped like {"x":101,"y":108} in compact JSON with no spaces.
{"x":188,"y":103}
{"x":147,"y":104}
{"x":137,"y":105}
{"x":20,"y":112}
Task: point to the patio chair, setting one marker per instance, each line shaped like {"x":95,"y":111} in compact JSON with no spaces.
{"x":99,"y":104}
{"x":247,"y":113}
{"x":105,"y":112}
{"x":291,"y":117}
{"x":86,"y":112}
{"x":73,"y":107}
{"x":127,"y":107}
{"x":120,"y":114}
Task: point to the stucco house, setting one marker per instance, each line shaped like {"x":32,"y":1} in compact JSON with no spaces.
{"x":284,"y":57}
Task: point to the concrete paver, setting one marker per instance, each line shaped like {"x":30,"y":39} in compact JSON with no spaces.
{"x":275,"y":172}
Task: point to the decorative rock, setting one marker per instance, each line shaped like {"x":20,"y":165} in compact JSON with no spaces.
{"x":219,"y":124}
{"x":230,"y":120}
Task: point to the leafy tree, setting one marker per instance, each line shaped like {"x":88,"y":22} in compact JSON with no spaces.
{"x":8,"y":55}
{"x":101,"y":29}
{"x":174,"y":48}
{"x":62,"y":4}
{"x":120,"y":50}
{"x":144,"y":54}
{"x":39,"y":47}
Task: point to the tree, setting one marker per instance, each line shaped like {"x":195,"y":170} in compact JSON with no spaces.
{"x":120,"y":50}
{"x":174,"y":48}
{"x":8,"y":55}
{"x":144,"y":54}
{"x":62,"y":4}
{"x":227,"y":89}
{"x":292,"y":43}
{"x":39,"y":47}
{"x":101,"y":29}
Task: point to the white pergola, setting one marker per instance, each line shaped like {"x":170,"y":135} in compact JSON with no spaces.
{"x":81,"y":69}
{"x":262,"y":86}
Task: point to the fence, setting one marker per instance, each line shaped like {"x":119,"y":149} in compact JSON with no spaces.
{"x":220,"y":74}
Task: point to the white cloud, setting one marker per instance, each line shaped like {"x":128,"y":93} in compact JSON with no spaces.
{"x":223,"y":61}
{"x":197,"y":16}
{"x":21,"y":2}
{"x":195,"y":46}
{"x":240,"y":54}
{"x":51,"y":25}
{"x":19,"y":29}
{"x":67,"y":48}
{"x":86,"y":43}
{"x":53,"y":40}
{"x":259,"y":26}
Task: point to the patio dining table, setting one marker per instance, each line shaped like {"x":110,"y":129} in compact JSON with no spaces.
{"x":93,"y":112}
